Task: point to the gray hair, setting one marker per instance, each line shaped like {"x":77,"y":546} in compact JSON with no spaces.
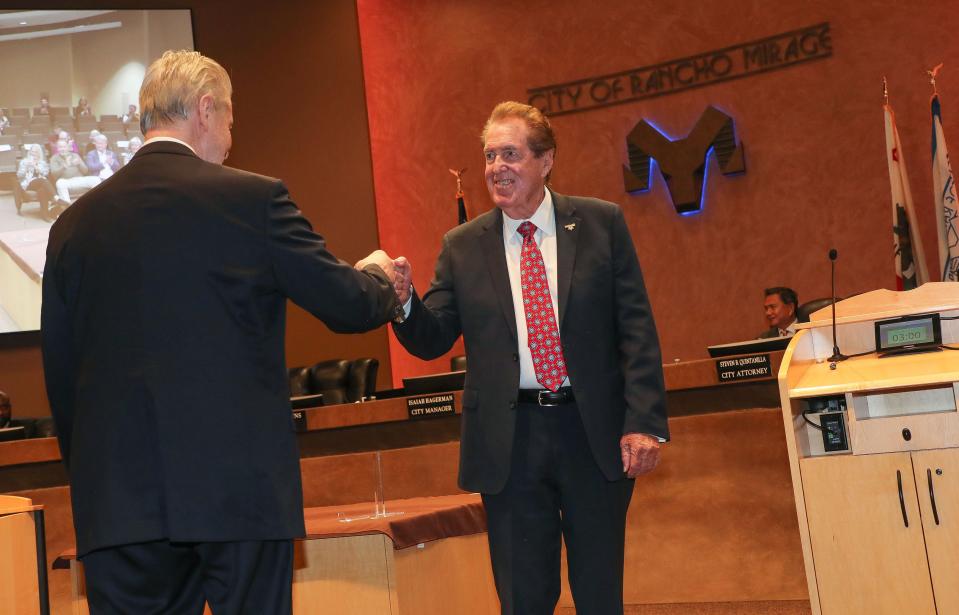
{"x":175,"y":82}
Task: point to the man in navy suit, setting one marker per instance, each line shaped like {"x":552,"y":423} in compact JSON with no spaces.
{"x":564,"y":402}
{"x":102,"y":162}
{"x":164,"y":306}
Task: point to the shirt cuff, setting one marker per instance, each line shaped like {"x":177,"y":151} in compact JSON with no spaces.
{"x":408,"y":306}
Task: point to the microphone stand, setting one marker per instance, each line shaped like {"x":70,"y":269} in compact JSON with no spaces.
{"x":836,"y":355}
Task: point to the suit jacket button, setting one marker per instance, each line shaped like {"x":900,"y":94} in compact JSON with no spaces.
{"x":512,"y":405}
{"x":515,"y":357}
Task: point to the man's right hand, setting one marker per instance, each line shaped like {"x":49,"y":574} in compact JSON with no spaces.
{"x":381,"y":258}
{"x":403,"y":282}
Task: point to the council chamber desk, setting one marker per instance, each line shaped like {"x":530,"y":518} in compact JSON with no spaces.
{"x":715,"y":523}
{"x":425,"y":556}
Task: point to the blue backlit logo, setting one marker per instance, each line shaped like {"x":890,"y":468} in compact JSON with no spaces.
{"x":683,"y":162}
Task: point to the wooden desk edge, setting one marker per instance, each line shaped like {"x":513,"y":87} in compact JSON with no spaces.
{"x":696,"y":374}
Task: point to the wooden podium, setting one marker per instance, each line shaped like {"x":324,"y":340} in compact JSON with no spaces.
{"x":23,"y":576}
{"x":878,"y":509}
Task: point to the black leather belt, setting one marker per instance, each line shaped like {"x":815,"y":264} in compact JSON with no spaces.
{"x":545,"y":397}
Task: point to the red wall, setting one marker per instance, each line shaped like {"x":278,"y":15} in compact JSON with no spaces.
{"x":813,"y":133}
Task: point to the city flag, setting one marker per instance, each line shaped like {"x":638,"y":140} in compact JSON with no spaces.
{"x":909,"y":256}
{"x":944,"y":192}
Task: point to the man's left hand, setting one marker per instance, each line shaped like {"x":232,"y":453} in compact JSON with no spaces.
{"x":640,"y":453}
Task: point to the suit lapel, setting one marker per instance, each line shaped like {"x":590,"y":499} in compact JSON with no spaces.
{"x":492,"y":240}
{"x":567,"y":236}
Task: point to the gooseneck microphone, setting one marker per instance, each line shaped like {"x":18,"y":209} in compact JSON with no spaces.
{"x":836,"y":355}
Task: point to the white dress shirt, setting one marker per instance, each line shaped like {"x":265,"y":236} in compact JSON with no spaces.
{"x":155,"y":139}
{"x":789,"y":330}
{"x":545,"y":238}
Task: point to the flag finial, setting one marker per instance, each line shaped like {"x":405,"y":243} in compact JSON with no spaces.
{"x":462,"y":213}
{"x":459,"y":181}
{"x":932,"y":78}
{"x":885,"y":91}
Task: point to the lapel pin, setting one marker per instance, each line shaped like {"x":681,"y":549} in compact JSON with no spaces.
{"x":570,"y":227}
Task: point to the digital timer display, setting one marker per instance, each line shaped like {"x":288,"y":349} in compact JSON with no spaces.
{"x":909,"y":334}
{"x":899,"y":336}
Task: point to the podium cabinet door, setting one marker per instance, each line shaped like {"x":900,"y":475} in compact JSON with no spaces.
{"x":937,"y":480}
{"x":866,"y":539}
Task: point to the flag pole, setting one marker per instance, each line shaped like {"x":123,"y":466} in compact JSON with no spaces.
{"x":463,"y":213}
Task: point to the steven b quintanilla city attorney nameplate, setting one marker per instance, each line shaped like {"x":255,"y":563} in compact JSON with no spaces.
{"x":429,"y":406}
{"x":743,"y":368}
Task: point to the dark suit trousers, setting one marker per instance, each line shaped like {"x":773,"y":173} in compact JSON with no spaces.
{"x":555,"y":488}
{"x":164,"y":578}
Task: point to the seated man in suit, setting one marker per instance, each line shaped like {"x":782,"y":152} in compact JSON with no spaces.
{"x":780,"y":307}
{"x":101,"y":161}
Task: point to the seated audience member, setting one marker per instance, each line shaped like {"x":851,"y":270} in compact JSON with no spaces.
{"x":53,"y":137}
{"x":102,"y":162}
{"x":780,"y":308}
{"x":83,"y":108}
{"x":33,"y":174}
{"x":44,"y":108}
{"x":131,"y":116}
{"x":135,"y":144}
{"x":63,"y":135}
{"x":90,"y":146}
{"x":69,"y":172}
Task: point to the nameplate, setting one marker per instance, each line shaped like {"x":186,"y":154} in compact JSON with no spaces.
{"x":744,"y":368}
{"x":429,"y":406}
{"x":299,"y":421}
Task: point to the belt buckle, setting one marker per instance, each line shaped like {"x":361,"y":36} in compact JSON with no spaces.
{"x":539,"y":399}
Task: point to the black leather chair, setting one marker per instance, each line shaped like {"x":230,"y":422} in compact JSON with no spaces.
{"x":804,"y":310}
{"x":21,"y":196}
{"x":361,"y":383}
{"x":299,"y":381}
{"x":42,"y":427}
{"x":45,"y":428}
{"x":340,"y":381}
{"x":330,"y":378}
{"x":458,"y":363}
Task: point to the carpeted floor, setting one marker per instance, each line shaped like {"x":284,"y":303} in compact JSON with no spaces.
{"x":776,"y":607}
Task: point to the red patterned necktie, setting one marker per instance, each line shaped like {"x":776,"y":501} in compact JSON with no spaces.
{"x":542,"y":334}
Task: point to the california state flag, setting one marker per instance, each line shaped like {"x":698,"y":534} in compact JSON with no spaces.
{"x":909,"y":256}
{"x":944,"y":192}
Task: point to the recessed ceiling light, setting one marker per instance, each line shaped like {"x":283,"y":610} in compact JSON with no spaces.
{"x":23,"y":23}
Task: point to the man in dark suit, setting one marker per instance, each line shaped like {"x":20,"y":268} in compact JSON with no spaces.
{"x":164,"y":302}
{"x":564,"y":401}
{"x":779,"y":307}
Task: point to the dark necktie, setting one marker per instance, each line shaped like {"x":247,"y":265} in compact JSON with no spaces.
{"x":542,"y":334}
